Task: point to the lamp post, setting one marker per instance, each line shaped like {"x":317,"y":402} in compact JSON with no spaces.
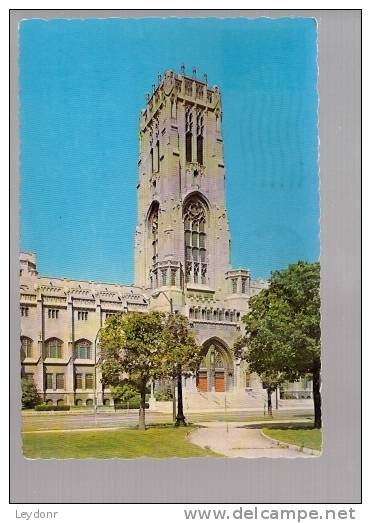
{"x":170,"y":300}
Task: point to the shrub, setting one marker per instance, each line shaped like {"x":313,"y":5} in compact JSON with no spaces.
{"x":43,"y":407}
{"x":30,"y":396}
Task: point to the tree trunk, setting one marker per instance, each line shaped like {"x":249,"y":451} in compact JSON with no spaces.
{"x":174,"y":398}
{"x":317,"y":396}
{"x":142,"y":408}
{"x":180,"y":419}
{"x":269,"y":396}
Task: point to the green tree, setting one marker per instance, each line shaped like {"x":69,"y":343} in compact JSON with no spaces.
{"x":270,"y":382}
{"x":283,"y":328}
{"x":132,"y":348}
{"x":182,"y":355}
{"x":30,"y":395}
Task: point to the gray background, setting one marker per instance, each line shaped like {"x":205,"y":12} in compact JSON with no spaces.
{"x":334,"y":477}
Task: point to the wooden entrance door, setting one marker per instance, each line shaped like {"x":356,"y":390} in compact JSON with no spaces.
{"x":219,"y":381}
{"x":202,"y":381}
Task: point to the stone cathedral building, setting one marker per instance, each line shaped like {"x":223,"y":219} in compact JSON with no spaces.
{"x":182,"y":262}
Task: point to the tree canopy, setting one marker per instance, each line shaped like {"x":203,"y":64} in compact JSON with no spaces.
{"x":132,"y":350}
{"x":139,"y":347}
{"x":283,"y":326}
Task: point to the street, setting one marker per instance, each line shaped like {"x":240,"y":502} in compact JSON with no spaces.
{"x":35,"y":421}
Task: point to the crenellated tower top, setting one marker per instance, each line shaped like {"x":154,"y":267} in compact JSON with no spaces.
{"x":185,"y":88}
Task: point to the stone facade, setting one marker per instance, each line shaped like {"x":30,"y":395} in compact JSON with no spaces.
{"x":182,"y":259}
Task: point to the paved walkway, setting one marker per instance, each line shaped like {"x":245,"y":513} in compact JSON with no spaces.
{"x":234,"y":441}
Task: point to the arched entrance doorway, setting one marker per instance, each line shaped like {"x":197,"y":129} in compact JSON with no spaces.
{"x":215,"y":373}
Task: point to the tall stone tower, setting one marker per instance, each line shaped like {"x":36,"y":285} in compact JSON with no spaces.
{"x":182,"y":238}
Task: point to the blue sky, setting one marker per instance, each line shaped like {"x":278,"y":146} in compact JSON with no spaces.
{"x":82,"y":86}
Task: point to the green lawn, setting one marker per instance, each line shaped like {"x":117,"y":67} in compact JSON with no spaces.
{"x":165,"y":442}
{"x":303,"y":437}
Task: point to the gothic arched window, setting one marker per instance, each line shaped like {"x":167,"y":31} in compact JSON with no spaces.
{"x":26,"y":347}
{"x":195,"y":241}
{"x":53,"y":348}
{"x":200,"y":138}
{"x":188,"y":134}
{"x":83,"y":349}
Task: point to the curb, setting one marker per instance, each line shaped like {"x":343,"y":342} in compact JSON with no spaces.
{"x":305,"y":450}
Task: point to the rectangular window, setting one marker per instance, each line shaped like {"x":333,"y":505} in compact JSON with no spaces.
{"x":234,"y":285}
{"x":79,"y":381}
{"x":53,"y":314}
{"x":60,"y":381}
{"x":163,"y":275}
{"x":88,"y":381}
{"x":173,"y":277}
{"x":24,"y":311}
{"x":49,"y":381}
{"x":82,"y":315}
{"x":202,"y":240}
{"x":243,"y":286}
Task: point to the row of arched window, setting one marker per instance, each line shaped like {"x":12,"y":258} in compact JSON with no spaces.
{"x":198,"y":313}
{"x":54,"y":346}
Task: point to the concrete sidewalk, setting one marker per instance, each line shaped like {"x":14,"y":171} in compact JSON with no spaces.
{"x":234,"y":441}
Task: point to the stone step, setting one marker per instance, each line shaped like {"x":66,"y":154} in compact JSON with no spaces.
{"x":221,"y":400}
